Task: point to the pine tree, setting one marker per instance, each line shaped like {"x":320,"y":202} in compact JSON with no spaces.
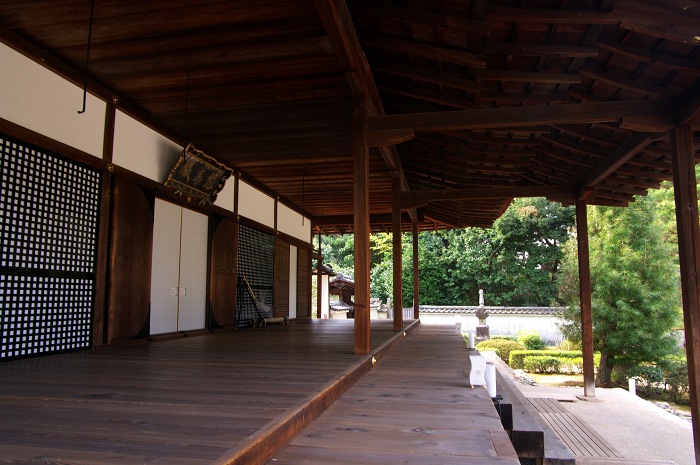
{"x":634,"y":282}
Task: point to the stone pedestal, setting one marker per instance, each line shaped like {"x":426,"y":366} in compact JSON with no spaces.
{"x":482,"y":333}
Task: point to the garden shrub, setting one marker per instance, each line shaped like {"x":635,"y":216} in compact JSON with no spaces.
{"x":676,"y":376}
{"x":508,"y":338}
{"x":504,"y":347}
{"x":530,"y":339}
{"x":542,"y":364}
{"x":648,"y":377}
{"x":569,"y":361}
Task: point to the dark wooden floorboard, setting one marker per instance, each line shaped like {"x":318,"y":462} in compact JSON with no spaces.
{"x":179,"y":401}
{"x":414,"y":407}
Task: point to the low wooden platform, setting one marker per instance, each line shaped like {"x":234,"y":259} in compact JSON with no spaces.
{"x":180,"y":401}
{"x":414,"y":407}
{"x":580,"y":438}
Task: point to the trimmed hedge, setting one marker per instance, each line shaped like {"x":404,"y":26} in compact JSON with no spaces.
{"x":503,"y":346}
{"x":542,"y":364}
{"x":569,"y":361}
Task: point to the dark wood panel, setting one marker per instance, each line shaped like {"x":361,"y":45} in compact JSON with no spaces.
{"x":224,"y":273}
{"x":303,"y":284}
{"x":130,"y":261}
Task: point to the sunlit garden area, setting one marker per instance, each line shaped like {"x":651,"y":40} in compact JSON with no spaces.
{"x":529,"y":259}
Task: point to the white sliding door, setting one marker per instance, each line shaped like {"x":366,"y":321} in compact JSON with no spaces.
{"x":178,"y":274}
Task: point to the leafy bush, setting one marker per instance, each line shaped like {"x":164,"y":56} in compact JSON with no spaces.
{"x":517,"y":358}
{"x":508,"y":338}
{"x":504,"y":347}
{"x":648,"y":377}
{"x":569,"y":361}
{"x":676,"y":374}
{"x":542,"y":364}
{"x":530,"y":339}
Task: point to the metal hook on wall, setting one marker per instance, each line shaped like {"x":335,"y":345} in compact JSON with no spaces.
{"x":87,"y":58}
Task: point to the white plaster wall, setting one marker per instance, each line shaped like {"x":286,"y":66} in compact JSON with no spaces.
{"x":140,"y":149}
{"x":293,"y":260}
{"x":37,"y":99}
{"x":256,"y":205}
{"x":193,"y":271}
{"x":226,"y":197}
{"x":289,"y":222}
{"x":165,"y":268}
{"x":504,"y":324}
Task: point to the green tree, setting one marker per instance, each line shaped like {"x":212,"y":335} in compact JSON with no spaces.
{"x":634,"y":281}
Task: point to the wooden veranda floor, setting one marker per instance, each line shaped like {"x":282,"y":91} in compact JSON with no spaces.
{"x":414,"y":407}
{"x":180,"y":401}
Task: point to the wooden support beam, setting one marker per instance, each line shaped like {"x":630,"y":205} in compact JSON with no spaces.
{"x":584,"y":276}
{"x":493,"y":118}
{"x":429,"y":95}
{"x":416,"y":278}
{"x":686,"y":196}
{"x":422,"y":17}
{"x":389,"y":137}
{"x":361,"y":223}
{"x":377,"y":218}
{"x":647,"y":56}
{"x":518,"y":97}
{"x":627,"y":84}
{"x":423,"y":50}
{"x":496,"y":13}
{"x":689,"y":106}
{"x":522,"y":76}
{"x":428,"y":76}
{"x":507,"y":48}
{"x":619,"y":157}
{"x":397,"y":252}
{"x":420,"y":198}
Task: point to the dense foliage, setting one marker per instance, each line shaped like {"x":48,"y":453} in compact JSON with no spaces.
{"x":530,"y":339}
{"x":515,"y":262}
{"x":634,"y":280}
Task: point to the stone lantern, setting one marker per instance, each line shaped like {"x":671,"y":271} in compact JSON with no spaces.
{"x":482,"y":331}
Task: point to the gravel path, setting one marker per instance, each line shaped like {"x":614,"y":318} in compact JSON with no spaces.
{"x":635,"y":427}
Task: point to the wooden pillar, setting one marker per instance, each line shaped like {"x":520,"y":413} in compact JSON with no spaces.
{"x":584,"y":276}
{"x":319,"y":283}
{"x":416,"y":281}
{"x":360,"y":174}
{"x":397,"y":252}
{"x":685,"y":190}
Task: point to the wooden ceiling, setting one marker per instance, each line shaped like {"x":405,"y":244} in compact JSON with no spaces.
{"x":271,"y":87}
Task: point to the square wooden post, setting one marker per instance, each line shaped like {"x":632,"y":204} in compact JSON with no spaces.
{"x":319,"y":283}
{"x":685,"y":191}
{"x":360,"y":168}
{"x":397,"y":252}
{"x":416,"y":281}
{"x":584,"y":277}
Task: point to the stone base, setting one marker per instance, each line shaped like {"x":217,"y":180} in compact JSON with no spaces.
{"x":589,"y":399}
{"x":482,"y":333}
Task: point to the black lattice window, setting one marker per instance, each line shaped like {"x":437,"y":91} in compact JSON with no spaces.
{"x":256,"y":255}
{"x":48,"y":231}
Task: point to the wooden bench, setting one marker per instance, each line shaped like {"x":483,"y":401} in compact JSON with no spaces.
{"x":532,"y":438}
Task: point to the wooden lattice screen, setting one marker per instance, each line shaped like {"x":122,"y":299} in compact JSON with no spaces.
{"x":48,"y":230}
{"x":256,"y":253}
